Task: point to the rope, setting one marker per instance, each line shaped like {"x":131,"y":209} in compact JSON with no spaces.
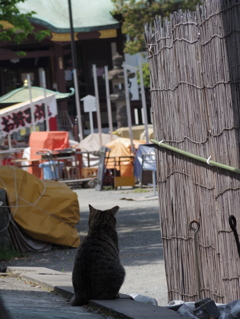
{"x":18,"y":198}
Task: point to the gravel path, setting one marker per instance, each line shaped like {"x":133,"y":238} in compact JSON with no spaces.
{"x":139,"y":240}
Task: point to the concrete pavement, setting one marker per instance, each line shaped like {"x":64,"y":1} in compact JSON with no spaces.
{"x":54,"y":285}
{"x":26,"y":299}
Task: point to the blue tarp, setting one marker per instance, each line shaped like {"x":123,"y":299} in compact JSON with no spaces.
{"x":145,"y":159}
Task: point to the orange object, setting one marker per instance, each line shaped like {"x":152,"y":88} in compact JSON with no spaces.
{"x":53,"y":140}
{"x":122,"y":146}
{"x":40,"y":141}
{"x":121,"y":156}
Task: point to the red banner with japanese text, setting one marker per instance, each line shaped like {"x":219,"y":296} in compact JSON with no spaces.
{"x":19,"y":116}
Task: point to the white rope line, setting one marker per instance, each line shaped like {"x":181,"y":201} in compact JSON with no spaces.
{"x":14,"y":194}
{"x":31,"y":205}
{"x":15,"y":188}
{"x":37,"y":207}
{"x":43,"y":191}
{"x":159,"y":143}
{"x":208,"y":160}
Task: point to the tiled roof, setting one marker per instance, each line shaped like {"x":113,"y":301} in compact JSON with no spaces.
{"x":88,"y":15}
{"x":22,"y":95}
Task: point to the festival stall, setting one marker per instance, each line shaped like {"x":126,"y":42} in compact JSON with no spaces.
{"x":21,"y":116}
{"x":90,"y":146}
{"x":52,"y":151}
{"x":120,"y":161}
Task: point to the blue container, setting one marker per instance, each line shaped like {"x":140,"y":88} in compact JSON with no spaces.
{"x":51,"y":169}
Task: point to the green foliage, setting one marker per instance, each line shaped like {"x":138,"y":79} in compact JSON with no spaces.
{"x":134,"y":14}
{"x":146,"y":75}
{"x":21,"y":53}
{"x":141,"y":190}
{"x":20,"y":26}
{"x":7,"y":254}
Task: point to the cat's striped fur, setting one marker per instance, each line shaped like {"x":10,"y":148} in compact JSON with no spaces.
{"x":97,"y":272}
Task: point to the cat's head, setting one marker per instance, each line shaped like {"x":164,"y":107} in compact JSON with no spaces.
{"x":102,"y":218}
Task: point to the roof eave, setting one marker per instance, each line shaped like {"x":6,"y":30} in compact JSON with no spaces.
{"x":59,"y":96}
{"x":114,"y":25}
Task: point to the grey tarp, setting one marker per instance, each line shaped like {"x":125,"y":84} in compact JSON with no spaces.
{"x":145,"y":159}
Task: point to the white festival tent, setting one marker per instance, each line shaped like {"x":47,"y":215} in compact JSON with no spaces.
{"x":91,"y":144}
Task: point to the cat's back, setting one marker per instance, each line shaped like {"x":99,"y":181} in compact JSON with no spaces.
{"x":98,"y":245}
{"x":98,"y":272}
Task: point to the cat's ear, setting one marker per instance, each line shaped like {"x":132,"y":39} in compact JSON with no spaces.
{"x":92,"y":209}
{"x":92,"y":214}
{"x":115,"y":209}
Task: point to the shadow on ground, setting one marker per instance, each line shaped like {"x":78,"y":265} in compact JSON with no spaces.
{"x":139,"y":240}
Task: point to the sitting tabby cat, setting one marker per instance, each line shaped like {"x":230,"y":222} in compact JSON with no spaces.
{"x":97,"y":271}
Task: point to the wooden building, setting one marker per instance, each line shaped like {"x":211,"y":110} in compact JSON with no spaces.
{"x":97,"y":36}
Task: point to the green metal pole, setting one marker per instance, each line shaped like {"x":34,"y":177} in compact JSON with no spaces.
{"x":196,"y":157}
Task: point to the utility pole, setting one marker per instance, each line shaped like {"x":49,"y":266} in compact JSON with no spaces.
{"x":75,"y":79}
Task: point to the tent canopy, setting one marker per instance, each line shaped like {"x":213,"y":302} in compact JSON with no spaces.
{"x":22,"y":94}
{"x":122,"y":146}
{"x":138,"y":132}
{"x":121,"y":157}
{"x":91,"y":143}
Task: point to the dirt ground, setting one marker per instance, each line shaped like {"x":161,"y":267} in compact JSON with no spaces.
{"x":140,"y":242}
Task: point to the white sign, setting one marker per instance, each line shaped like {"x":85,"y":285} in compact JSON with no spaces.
{"x":18,"y":116}
{"x":89,"y":103}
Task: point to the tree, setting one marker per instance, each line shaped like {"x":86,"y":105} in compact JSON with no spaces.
{"x":146,"y":75}
{"x":16,"y":26}
{"x":134,"y":14}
